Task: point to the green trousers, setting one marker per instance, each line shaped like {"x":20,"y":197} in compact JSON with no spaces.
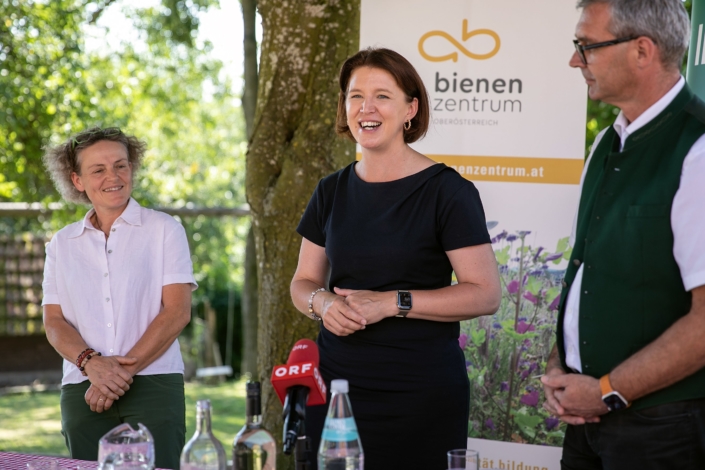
{"x":156,"y":401}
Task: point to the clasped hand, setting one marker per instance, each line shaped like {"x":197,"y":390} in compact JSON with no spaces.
{"x":346,"y":310}
{"x":575,"y":398}
{"x":110,"y":377}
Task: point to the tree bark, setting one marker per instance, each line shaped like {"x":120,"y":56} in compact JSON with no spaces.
{"x":293,"y":145}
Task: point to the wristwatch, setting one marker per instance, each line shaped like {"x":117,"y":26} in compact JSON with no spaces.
{"x":612,"y":398}
{"x":403,"y":303}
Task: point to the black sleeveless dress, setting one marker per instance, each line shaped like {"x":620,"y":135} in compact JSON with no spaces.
{"x":408,"y":382}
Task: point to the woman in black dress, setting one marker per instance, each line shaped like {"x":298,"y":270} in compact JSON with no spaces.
{"x":381,"y":239}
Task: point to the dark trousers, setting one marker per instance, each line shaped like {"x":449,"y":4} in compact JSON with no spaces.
{"x":663,"y":437}
{"x":156,"y":401}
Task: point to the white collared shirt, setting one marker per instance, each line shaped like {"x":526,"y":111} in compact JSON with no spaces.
{"x":687,"y":220}
{"x":111,"y":290}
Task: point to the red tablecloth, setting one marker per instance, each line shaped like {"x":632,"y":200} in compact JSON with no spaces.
{"x":12,"y":461}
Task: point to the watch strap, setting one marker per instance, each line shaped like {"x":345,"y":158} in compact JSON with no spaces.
{"x":608,"y":393}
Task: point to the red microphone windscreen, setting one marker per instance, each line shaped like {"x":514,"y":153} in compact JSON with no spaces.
{"x":301,"y":369}
{"x":304,"y":350}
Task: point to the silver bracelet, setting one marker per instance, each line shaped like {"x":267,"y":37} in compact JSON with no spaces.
{"x":310,"y":304}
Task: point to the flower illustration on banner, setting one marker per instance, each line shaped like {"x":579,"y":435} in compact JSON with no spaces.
{"x":507,"y":352}
{"x":530,"y":399}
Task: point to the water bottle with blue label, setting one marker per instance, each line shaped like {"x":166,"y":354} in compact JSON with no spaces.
{"x":340,"y":442}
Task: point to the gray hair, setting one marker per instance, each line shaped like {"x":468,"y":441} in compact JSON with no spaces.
{"x":63,"y":160}
{"x":664,"y":21}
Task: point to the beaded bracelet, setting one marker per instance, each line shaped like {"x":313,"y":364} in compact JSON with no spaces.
{"x":85,"y":361}
{"x":83,"y":355}
{"x":310,"y":304}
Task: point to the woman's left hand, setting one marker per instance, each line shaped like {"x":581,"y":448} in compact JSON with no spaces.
{"x":96,"y":400}
{"x":373,"y":306}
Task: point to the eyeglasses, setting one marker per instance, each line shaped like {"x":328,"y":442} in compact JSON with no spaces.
{"x":581,"y":49}
{"x":84,"y":137}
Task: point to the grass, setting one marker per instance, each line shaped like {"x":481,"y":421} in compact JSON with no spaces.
{"x":30,"y":423}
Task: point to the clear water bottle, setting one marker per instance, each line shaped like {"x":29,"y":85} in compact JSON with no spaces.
{"x":203,"y":451}
{"x":340,"y":443}
{"x":254,"y":447}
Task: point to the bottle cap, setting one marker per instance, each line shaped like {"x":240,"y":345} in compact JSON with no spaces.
{"x":203,"y":405}
{"x":339,"y":385}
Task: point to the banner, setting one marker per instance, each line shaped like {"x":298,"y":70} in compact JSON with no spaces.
{"x":695,"y":74}
{"x":508,"y":113}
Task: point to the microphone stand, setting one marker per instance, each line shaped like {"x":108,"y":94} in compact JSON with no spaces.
{"x":303,"y":446}
{"x":295,"y":427}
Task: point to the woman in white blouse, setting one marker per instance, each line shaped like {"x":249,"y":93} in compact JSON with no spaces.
{"x":117,"y":293}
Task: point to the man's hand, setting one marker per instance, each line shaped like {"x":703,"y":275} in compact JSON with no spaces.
{"x":575,"y":398}
{"x":554,"y":388}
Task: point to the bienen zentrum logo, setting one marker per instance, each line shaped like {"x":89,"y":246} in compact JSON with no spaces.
{"x":459,"y":45}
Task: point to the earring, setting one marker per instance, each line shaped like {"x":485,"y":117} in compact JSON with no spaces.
{"x":407,"y":125}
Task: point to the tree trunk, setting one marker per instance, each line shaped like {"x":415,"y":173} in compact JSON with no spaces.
{"x":293,"y":145}
{"x":249,"y":94}
{"x":249,"y":310}
{"x":249,"y":103}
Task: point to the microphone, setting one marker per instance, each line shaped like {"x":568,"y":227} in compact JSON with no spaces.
{"x":298,"y":384}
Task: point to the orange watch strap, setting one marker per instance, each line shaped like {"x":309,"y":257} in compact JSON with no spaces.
{"x":605,"y":385}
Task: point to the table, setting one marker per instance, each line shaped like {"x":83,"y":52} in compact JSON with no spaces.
{"x":14,"y":461}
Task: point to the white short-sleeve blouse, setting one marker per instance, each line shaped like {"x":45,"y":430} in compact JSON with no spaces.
{"x":111,"y":290}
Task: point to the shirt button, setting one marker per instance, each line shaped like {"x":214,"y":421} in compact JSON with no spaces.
{"x":109,"y":325}
{"x":105,"y":275}
{"x":110,"y":251}
{"x":111,"y":350}
{"x":576,"y":262}
{"x":107,"y":299}
{"x":585,"y":292}
{"x":112,"y":230}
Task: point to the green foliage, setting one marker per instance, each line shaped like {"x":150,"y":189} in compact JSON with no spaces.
{"x":161,"y":87}
{"x":41,"y":72}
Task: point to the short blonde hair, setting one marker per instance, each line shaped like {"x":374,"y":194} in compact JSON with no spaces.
{"x":62,"y":160}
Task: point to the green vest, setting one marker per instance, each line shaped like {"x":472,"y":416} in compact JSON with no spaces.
{"x":632,"y":289}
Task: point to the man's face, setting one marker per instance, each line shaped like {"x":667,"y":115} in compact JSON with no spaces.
{"x":608,"y":70}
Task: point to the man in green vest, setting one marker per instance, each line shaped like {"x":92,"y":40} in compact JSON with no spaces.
{"x":627,"y":373}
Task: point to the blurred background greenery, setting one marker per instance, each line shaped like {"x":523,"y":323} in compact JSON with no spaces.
{"x":31,"y":422}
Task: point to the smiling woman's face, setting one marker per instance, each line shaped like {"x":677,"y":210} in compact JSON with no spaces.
{"x":106,"y":175}
{"x":377,"y":108}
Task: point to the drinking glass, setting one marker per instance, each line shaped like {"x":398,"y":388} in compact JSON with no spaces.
{"x":463,"y":459}
{"x":43,"y":464}
{"x":124,"y":448}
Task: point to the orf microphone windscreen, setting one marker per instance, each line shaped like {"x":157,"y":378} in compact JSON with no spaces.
{"x":301,"y":369}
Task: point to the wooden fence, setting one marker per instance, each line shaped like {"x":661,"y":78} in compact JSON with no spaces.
{"x":21,"y":273}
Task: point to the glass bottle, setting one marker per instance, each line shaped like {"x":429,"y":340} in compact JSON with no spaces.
{"x":203,"y":451}
{"x":340,"y":447}
{"x":254,"y":447}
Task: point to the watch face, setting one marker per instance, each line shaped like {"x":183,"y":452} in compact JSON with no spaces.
{"x":614,"y":402}
{"x":404,"y":300}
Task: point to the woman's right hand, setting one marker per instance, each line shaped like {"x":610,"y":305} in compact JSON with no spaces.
{"x":338,"y":317}
{"x":108,"y":375}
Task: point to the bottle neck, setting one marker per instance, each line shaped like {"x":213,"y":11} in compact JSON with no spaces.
{"x":254,"y":410}
{"x":203,"y":421}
